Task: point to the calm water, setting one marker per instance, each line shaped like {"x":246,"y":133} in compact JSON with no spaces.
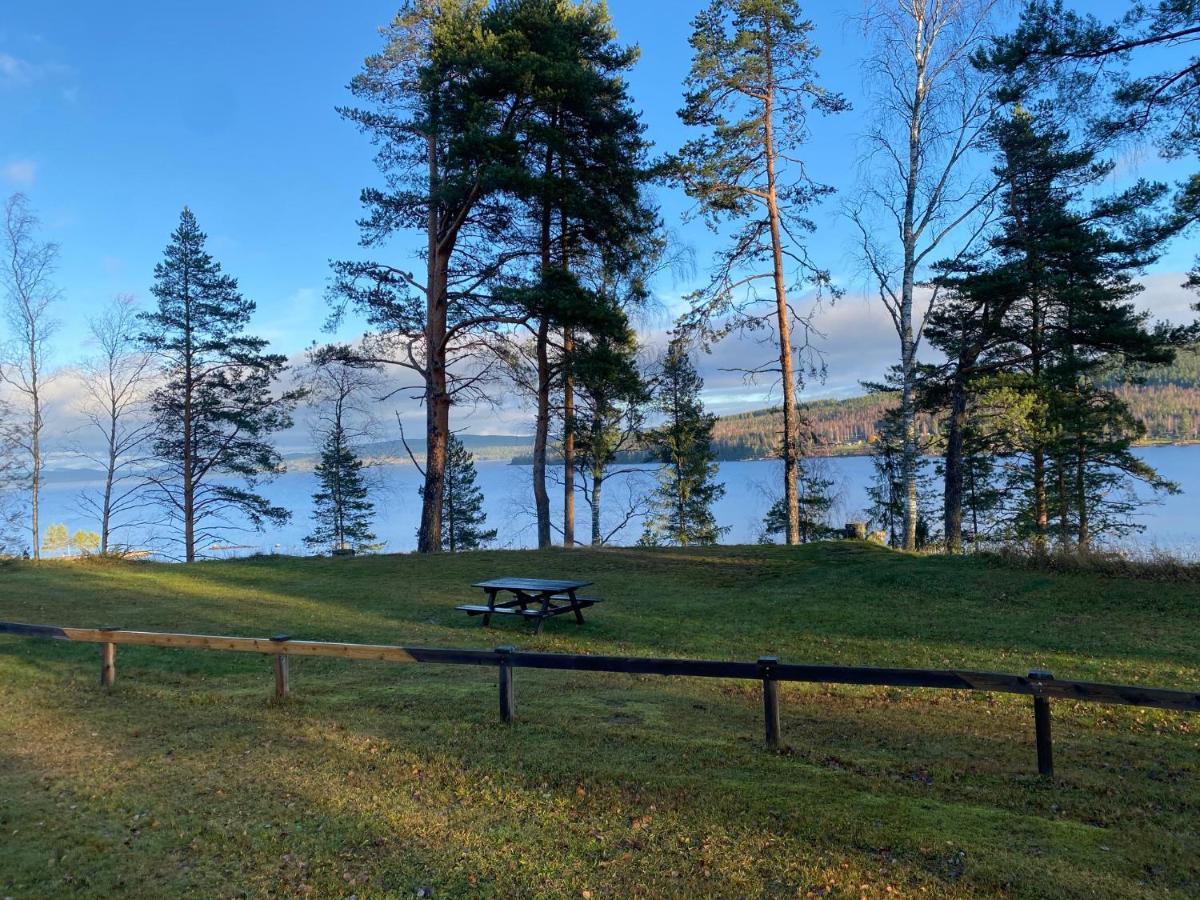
{"x":1173,"y":524}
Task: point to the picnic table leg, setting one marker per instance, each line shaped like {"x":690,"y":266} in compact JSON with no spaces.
{"x":487,"y":616}
{"x":575,"y":606}
{"x":545,"y":599}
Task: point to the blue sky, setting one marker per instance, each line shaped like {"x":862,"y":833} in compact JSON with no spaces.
{"x":113,"y":116}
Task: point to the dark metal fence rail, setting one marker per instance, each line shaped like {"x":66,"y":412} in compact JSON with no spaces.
{"x":1041,"y":686}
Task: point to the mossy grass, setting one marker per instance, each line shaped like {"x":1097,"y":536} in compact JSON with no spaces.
{"x":382,"y":780}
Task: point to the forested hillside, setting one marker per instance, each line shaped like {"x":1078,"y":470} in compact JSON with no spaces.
{"x":1166,"y":399}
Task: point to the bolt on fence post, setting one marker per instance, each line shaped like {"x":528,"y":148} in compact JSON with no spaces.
{"x":108,"y":661}
{"x":282,"y":667}
{"x":766,"y":665}
{"x":508,"y":707}
{"x":1041,"y":725}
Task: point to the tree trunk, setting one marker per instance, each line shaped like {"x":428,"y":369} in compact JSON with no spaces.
{"x":597,"y":488}
{"x":437,"y":399}
{"x":541,"y":437}
{"x":910,"y":456}
{"x":568,"y":386}
{"x":35,"y":451}
{"x":1083,"y":537}
{"x":791,"y":429}
{"x":188,"y":434}
{"x":109,"y":476}
{"x":1064,"y":505}
{"x":437,"y":416}
{"x":541,"y":497}
{"x":568,"y":447}
{"x":952,"y":500}
{"x":1041,"y":518}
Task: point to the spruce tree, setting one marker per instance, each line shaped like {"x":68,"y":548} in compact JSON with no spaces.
{"x":215,"y":412}
{"x":682,"y":503}
{"x":814,"y":498}
{"x":888,"y":489}
{"x":1046,"y":313}
{"x":342,"y":506}
{"x":463,"y":517}
{"x":608,"y":420}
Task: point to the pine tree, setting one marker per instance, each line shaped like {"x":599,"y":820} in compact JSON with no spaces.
{"x":751,"y":86}
{"x":463,"y":517}
{"x":342,"y":507}
{"x":584,"y":204}
{"x":682,"y":503}
{"x":215,"y":413}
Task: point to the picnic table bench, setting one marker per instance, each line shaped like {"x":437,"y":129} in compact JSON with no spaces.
{"x":532,"y":598}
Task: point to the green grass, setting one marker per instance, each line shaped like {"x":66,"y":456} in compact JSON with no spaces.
{"x":381,"y":780}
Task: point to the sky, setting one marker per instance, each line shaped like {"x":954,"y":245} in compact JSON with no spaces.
{"x":114,"y":116}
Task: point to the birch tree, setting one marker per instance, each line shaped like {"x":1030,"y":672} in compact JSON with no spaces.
{"x":751,"y":87}
{"x":27,"y":279}
{"x":921,"y":199}
{"x":116,"y":383}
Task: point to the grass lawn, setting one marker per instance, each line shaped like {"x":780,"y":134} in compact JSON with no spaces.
{"x":383,"y":780}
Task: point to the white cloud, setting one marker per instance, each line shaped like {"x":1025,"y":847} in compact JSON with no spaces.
{"x":14,"y":70}
{"x":1165,"y":298}
{"x":21,"y":172}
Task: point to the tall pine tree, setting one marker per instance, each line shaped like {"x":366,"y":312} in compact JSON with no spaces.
{"x":215,"y":412}
{"x":682,"y":503}
{"x":751,"y":86}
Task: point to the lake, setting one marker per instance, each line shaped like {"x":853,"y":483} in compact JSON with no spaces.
{"x":1173,"y":524}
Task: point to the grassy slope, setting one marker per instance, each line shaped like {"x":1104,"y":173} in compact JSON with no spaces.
{"x":380,"y":780}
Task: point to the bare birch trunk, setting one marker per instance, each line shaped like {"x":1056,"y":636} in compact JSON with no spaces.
{"x":597,"y":489}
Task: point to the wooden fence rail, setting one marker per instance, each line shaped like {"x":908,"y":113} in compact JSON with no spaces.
{"x":1041,"y":686}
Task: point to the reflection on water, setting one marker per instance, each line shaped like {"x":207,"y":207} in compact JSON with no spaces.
{"x":1172,"y":524}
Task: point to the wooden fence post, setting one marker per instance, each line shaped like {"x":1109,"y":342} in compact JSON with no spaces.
{"x":508,"y":708}
{"x":766,"y":665}
{"x":1041,"y":726}
{"x":108,"y":661}
{"x":282,"y":667}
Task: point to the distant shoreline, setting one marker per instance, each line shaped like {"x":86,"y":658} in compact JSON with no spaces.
{"x":68,"y":475}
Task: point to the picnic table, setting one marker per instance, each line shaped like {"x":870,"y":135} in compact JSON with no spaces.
{"x":532,"y":598}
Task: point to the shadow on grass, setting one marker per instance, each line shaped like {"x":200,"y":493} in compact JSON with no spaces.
{"x":397,"y":777}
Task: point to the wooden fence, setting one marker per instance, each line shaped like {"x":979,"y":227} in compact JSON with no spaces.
{"x":1041,"y":686}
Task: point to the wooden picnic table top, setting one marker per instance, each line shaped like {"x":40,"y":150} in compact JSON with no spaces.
{"x":530,"y":585}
